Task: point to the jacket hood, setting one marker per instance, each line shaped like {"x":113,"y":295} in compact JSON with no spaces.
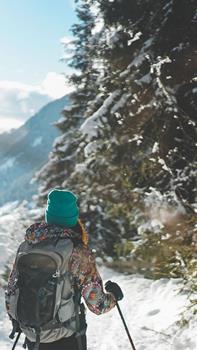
{"x":41,"y":231}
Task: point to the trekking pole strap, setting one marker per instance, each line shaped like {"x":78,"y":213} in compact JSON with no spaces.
{"x":125,"y":325}
{"x":25,"y":343}
{"x":37,"y":343}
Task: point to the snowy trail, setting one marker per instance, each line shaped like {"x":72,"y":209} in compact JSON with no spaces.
{"x":151,"y":308}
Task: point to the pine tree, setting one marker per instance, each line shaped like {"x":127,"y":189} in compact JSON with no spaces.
{"x":130,"y":130}
{"x":141,"y":136}
{"x":58,"y":171}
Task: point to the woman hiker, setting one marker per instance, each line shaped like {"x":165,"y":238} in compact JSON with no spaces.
{"x":53,"y":269}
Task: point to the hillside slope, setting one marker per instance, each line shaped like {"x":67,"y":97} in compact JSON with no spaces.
{"x":23,"y":151}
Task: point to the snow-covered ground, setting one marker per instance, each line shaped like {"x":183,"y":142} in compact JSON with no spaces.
{"x":151,"y":308}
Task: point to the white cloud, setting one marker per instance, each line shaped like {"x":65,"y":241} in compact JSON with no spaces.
{"x":8,"y":124}
{"x":54,"y":85}
{"x":19,"y":101}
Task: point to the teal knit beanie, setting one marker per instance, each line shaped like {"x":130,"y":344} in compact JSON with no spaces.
{"x":62,"y":208}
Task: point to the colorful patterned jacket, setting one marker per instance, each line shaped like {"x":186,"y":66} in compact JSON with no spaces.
{"x":82,"y":265}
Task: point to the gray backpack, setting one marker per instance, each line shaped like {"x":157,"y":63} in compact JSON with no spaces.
{"x":44,"y":298}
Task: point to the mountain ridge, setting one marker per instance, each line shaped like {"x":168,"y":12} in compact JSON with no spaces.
{"x":24,"y":150}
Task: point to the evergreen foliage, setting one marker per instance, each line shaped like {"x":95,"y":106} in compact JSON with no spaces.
{"x":131,"y":130}
{"x":63,"y":158}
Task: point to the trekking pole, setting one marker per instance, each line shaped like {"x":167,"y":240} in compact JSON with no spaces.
{"x":17,"y":339}
{"x":125,"y":326}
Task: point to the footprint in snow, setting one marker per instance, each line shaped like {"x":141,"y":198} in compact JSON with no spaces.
{"x":153,"y":312}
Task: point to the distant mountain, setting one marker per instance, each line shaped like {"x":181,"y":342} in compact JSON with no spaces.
{"x":23,"y":151}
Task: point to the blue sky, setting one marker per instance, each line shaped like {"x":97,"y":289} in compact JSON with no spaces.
{"x":30,"y":33}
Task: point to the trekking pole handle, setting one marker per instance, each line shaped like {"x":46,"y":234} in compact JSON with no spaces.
{"x":126,"y":328}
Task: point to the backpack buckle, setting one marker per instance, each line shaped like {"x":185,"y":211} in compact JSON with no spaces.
{"x":56,"y":274}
